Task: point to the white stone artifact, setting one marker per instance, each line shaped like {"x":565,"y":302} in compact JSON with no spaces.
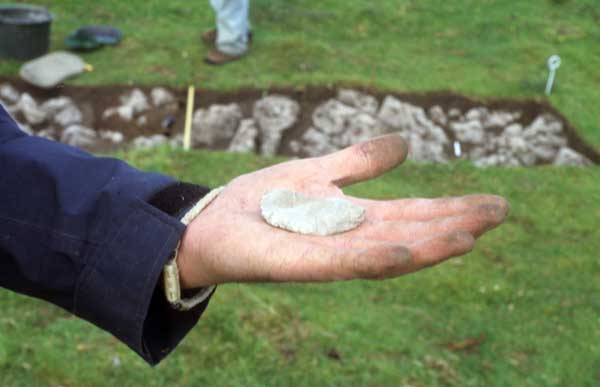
{"x":295,"y":212}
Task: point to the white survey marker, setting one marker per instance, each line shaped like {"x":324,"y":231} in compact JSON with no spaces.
{"x":457,"y":149}
{"x":553,"y":65}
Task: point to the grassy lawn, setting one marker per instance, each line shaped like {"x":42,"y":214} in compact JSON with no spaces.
{"x":486,"y":48}
{"x":527,"y":295}
{"x":521,"y":310}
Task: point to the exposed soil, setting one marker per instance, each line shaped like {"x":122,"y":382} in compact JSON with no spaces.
{"x":96,"y":99}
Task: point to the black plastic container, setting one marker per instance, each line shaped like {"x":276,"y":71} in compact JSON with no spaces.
{"x":24,"y":31}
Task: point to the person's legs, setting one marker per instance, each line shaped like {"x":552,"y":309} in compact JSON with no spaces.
{"x":232,"y":26}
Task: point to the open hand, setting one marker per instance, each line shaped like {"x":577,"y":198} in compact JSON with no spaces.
{"x":230,"y":242}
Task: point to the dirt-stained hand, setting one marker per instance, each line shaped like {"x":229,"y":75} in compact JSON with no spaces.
{"x":230,"y":242}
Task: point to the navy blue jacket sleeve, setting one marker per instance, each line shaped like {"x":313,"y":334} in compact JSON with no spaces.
{"x":89,"y":235}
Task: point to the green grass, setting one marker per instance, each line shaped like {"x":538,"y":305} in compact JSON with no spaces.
{"x":486,"y":49}
{"x":529,"y":290}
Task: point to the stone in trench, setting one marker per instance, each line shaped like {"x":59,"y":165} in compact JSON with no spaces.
{"x":137,"y":100}
{"x":317,"y":143}
{"x":274,"y":114}
{"x":361,"y":128}
{"x":500,"y":119}
{"x":292,"y":211}
{"x":402,"y":116}
{"x":218,"y":122}
{"x":70,"y":115}
{"x":55,"y":105}
{"x":124,"y":112}
{"x":477,"y":114}
{"x":143,"y":142}
{"x":332,"y":117}
{"x":112,"y":136}
{"x":161,"y":96}
{"x":245,"y":138}
{"x":470,"y":132}
{"x":30,"y":109}
{"x":567,"y":156}
{"x":437,"y":115}
{"x":361,"y":101}
{"x":131,"y":104}
{"x":79,"y":136}
{"x":48,"y":134}
{"x":9,"y":93}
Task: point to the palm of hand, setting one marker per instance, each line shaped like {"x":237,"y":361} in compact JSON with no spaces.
{"x":230,"y":242}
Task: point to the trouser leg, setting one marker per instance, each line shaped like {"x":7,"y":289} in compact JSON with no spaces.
{"x":232,"y":25}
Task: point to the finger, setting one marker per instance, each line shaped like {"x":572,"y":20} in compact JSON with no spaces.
{"x":435,"y":250}
{"x":320,"y":262}
{"x":365,"y":160}
{"x":428,"y":209}
{"x":475,"y":221}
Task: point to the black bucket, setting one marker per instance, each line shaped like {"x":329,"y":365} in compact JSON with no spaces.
{"x":24,"y":31}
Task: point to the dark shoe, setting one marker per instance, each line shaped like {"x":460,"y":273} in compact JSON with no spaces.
{"x":210,"y":37}
{"x":216,"y":57}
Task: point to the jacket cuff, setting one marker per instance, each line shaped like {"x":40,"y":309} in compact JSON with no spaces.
{"x":127,"y":273}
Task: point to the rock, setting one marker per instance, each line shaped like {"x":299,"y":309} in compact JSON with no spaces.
{"x":54,"y":105}
{"x":545,"y":153}
{"x":470,"y":132}
{"x":454,"y":114}
{"x":527,"y":158}
{"x":141,"y":121}
{"x":426,"y":139}
{"x":30,"y":109}
{"x":144,"y":142}
{"x":517,"y":144}
{"x":436,"y":134}
{"x":295,"y":212}
{"x":136,"y":100}
{"x":295,"y":146}
{"x":544,"y":124}
{"x":360,"y":128}
{"x":176,"y":141}
{"x":332,"y":117}
{"x":79,"y":136}
{"x":496,"y":160}
{"x":9,"y":93}
{"x":124,"y":112}
{"x":364,"y":102}
{"x":245,"y":138}
{"x":400,"y":115}
{"x":476,"y":152}
{"x":70,"y":115}
{"x":274,"y":114}
{"x":131,"y":104}
{"x":424,"y":151}
{"x":112,"y":136}
{"x":48,"y":133}
{"x":513,"y":130}
{"x":545,"y":137}
{"x":436,"y":113}
{"x":499,"y":119}
{"x":218,"y":122}
{"x":161,"y":96}
{"x":567,"y":156}
{"x":317,"y":143}
{"x":477,"y":114}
